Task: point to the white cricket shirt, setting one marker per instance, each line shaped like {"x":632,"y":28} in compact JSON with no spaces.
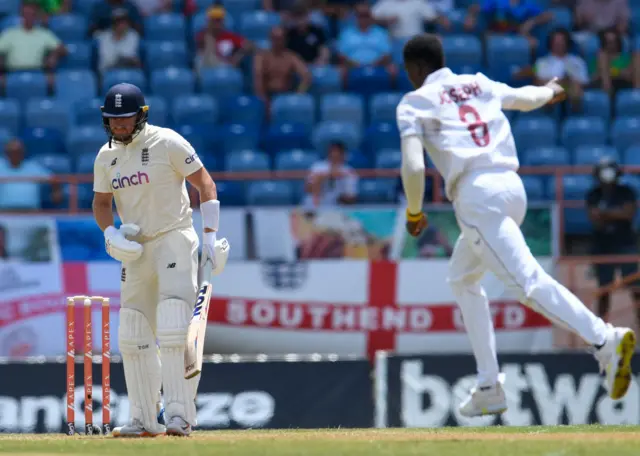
{"x":460,"y":122}
{"x":147,"y":179}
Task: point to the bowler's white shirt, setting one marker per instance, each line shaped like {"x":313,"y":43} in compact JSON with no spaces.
{"x":147,"y":179}
{"x":460,"y":122}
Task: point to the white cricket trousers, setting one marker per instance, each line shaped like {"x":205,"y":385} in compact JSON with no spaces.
{"x":490,"y":206}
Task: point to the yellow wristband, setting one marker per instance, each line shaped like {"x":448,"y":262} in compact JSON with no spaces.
{"x":413,"y":217}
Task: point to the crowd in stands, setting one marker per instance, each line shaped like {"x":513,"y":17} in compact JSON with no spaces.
{"x":303,"y":85}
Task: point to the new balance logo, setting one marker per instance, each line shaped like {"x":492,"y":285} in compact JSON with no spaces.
{"x":118,"y":100}
{"x":171,"y":265}
{"x":123,"y":275}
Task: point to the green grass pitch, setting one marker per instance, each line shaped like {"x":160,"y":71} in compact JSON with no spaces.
{"x":591,"y":440}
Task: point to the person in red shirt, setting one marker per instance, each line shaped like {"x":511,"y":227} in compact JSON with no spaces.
{"x":218,"y":46}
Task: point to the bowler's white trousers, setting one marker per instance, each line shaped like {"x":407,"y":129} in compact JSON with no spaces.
{"x":490,"y":205}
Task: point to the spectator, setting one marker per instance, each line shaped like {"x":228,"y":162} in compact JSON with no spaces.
{"x":118,"y":46}
{"x":28,"y":46}
{"x":614,"y":68}
{"x":274,"y":70}
{"x":307,"y":40}
{"x":331,"y":181}
{"x":570,"y":69}
{"x":217,"y":45}
{"x":102,"y":13}
{"x":52,"y":7}
{"x":598,"y":15}
{"x":406,"y":18}
{"x":508,"y":17}
{"x":366,"y":44}
{"x":612,"y":208}
{"x":22,"y":195}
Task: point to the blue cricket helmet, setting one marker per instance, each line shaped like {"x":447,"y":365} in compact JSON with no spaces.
{"x":124,"y":100}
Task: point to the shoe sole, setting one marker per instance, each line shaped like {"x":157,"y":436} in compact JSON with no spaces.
{"x":135,"y":436}
{"x":487,"y":411}
{"x":622,"y":378}
{"x":177,"y":434}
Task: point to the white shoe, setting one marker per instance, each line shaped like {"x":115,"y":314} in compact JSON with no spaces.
{"x":179,"y":427}
{"x":485,"y":400}
{"x":615,"y":360}
{"x":136,"y":429}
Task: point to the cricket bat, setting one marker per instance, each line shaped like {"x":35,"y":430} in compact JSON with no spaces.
{"x":198,"y":325}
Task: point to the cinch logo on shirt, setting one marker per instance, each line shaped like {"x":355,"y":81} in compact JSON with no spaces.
{"x":127,"y":181}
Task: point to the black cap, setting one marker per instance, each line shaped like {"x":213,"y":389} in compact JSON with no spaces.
{"x":123,"y":100}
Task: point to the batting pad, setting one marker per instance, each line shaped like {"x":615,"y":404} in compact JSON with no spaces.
{"x":141,"y":367}
{"x":179,"y":394}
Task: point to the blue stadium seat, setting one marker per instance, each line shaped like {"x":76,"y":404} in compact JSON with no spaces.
{"x":631,"y":156}
{"x":575,"y":187}
{"x":86,"y":112}
{"x":358,"y":160}
{"x":84,"y":7}
{"x":628,"y":103}
{"x":596,"y":103}
{"x":368,"y":80}
{"x":382,"y":107}
{"x":12,"y":20}
{"x":632,"y":181}
{"x":270,"y":193}
{"x":86,"y":141}
{"x":389,"y":159}
{"x":74,"y":85}
{"x":506,"y":54}
{"x":79,"y":56}
{"x":231,"y":192}
{"x":590,"y":155}
{"x":562,"y":17}
{"x":203,"y":138}
{"x":84,"y":163}
{"x":163,"y":54}
{"x":42,"y":141}
{"x":462,"y":50}
{"x":294,"y":160}
{"x":9,"y":7}
{"x":158,"y":111}
{"x":578,"y":131}
{"x":195,"y":109}
{"x":625,"y":132}
{"x":56,"y":163}
{"x":297,"y":108}
{"x":165,"y":27}
{"x":382,"y":135}
{"x":549,"y":156}
{"x":239,"y":137}
{"x":380,"y":190}
{"x":342,"y":107}
{"x":326,"y":79}
{"x":534,"y":186}
{"x":5,"y":137}
{"x":47,"y":113}
{"x":531,"y":133}
{"x":221,"y":82}
{"x":25,"y":85}
{"x":247,"y":160}
{"x":209,"y":160}
{"x":255,"y":25}
{"x":116,"y":76}
{"x":193,"y":137}
{"x":10,"y":115}
{"x":69,"y":27}
{"x":236,"y":8}
{"x":457,"y":19}
{"x":327,"y":132}
{"x":244,"y":109}
{"x":286,"y":136}
{"x":172,"y":83}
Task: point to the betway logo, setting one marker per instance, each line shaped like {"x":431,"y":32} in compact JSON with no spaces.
{"x":139,"y":178}
{"x":532,"y":397}
{"x":248,"y":409}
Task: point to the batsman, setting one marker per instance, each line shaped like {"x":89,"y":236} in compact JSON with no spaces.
{"x":144,"y":168}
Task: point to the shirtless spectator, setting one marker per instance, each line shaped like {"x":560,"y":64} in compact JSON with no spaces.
{"x":274,"y":70}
